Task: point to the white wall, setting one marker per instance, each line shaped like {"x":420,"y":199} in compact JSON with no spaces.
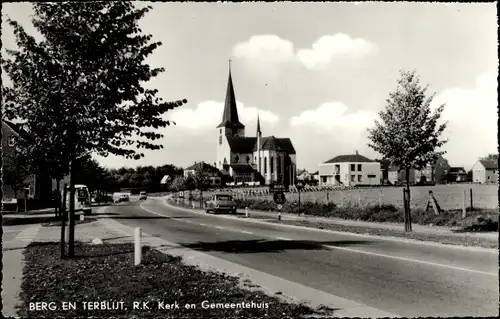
{"x":223,"y":151}
{"x":367,"y":169}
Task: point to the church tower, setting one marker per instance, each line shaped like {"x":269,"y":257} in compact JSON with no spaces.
{"x":230,"y":125}
{"x":259,"y":145}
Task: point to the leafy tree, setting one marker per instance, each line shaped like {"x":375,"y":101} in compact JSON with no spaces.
{"x":201,"y":181}
{"x":15,"y":172}
{"x":408,"y":133}
{"x":179,"y":183}
{"x":80,"y":89}
{"x":441,"y":168}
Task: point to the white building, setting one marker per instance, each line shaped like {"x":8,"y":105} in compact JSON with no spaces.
{"x":485,"y":171}
{"x":349,"y":170}
{"x":252,"y":159}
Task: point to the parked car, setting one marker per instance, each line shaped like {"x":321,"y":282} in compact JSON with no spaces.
{"x":143,"y":195}
{"x":122,"y":198}
{"x":220,"y":202}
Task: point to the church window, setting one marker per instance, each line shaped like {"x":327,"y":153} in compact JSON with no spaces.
{"x":272,"y":166}
{"x":220,"y":140}
{"x":260,"y":164}
{"x":278,"y":162}
{"x":237,"y":158}
{"x":220,"y":131}
{"x":248,"y":159}
{"x":265,"y":165}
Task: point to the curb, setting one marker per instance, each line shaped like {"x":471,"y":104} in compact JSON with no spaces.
{"x":289,"y":290}
{"x":387,"y":238}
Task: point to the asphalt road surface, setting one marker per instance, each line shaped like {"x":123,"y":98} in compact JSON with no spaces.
{"x":402,"y":278}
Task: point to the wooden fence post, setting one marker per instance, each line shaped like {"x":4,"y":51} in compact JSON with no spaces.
{"x":471,"y":201}
{"x":341,"y":199}
{"x":380,"y":198}
{"x":464,"y":206}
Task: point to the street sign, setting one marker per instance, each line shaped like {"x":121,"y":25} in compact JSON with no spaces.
{"x":279,"y":198}
{"x":280,"y":207}
{"x":181,"y":194}
{"x":274,"y":188}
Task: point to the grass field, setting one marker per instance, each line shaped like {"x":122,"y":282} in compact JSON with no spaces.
{"x":449,"y":197}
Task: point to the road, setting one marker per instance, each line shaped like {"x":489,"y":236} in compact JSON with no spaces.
{"x":402,"y":278}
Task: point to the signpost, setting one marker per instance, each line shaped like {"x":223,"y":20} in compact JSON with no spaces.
{"x":280,"y":199}
{"x":274,"y":188}
{"x":300,"y":186}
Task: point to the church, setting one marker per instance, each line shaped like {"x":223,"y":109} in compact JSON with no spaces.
{"x":243,"y":159}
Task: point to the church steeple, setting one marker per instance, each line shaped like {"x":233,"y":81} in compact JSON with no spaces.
{"x":230,"y":116}
{"x":258,"y":125}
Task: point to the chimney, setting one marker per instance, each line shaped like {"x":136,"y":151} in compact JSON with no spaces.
{"x":357,"y":152}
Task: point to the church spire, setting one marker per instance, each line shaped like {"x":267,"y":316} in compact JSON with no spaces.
{"x":230,"y":115}
{"x":258,"y":125}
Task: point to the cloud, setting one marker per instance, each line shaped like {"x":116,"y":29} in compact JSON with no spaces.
{"x":326,"y":48}
{"x":271,"y":49}
{"x":208,"y":114}
{"x":332,"y":115}
{"x":471,"y":113}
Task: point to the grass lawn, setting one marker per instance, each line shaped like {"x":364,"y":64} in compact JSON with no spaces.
{"x":107,"y":273}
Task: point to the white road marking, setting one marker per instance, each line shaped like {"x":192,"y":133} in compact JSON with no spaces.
{"x":247,"y":232}
{"x":220,"y":227}
{"x":202,"y":224}
{"x":412,"y":260}
{"x":283,"y":238}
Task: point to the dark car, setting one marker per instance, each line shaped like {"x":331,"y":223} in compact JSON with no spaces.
{"x":220,"y":203}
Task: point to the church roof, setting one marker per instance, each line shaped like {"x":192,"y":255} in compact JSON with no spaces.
{"x":249,"y":144}
{"x":230,"y":116}
{"x":277,"y":144}
{"x":242,"y":144}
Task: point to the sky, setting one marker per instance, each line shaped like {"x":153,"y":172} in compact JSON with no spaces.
{"x":317,"y":73}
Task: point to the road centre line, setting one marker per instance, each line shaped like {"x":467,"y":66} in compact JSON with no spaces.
{"x":247,"y":232}
{"x":384,"y":255}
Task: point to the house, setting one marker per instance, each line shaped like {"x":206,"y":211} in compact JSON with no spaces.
{"x":456,"y":175}
{"x":427,"y":174}
{"x":211,"y":172}
{"x":349,"y":170}
{"x":485,"y":171}
{"x":303,"y":175}
{"x":251,"y":159}
{"x":39,"y":187}
{"x":393,"y":175}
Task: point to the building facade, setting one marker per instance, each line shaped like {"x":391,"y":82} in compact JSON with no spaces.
{"x":39,"y":187}
{"x":251,"y":159}
{"x":349,"y":170}
{"x":485,"y":172}
{"x":210,"y":172}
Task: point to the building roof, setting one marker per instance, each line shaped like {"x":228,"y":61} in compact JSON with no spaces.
{"x":315,"y":173}
{"x":242,"y":168}
{"x":258,"y":125}
{"x":356,"y":158}
{"x":301,"y":171}
{"x":249,"y":144}
{"x":276,"y":144}
{"x":230,"y":115}
{"x":204,"y":166}
{"x":456,"y":170}
{"x":242,"y":144}
{"x":16,"y":128}
{"x":488,"y":164}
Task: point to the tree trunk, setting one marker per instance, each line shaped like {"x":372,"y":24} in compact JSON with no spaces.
{"x":71,"y":244}
{"x":58,"y":198}
{"x":408,"y":200}
{"x":63,"y":220}
{"x":201,"y":199}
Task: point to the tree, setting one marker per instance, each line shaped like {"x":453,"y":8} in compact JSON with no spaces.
{"x":80,"y":89}
{"x":441,"y":169}
{"x":179,"y":183}
{"x":408,"y":133}
{"x":15,"y":172}
{"x":201,"y":181}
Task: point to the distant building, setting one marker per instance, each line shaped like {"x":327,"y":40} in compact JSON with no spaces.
{"x":251,"y":159}
{"x":303,"y":175}
{"x":349,"y":170}
{"x":39,"y":187}
{"x":211,"y":172}
{"x":485,"y":171}
{"x":456,"y":175}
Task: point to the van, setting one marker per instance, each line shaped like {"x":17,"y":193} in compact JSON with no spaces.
{"x":143,"y":195}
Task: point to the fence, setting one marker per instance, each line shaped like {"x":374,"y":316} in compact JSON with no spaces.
{"x":449,"y":197}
